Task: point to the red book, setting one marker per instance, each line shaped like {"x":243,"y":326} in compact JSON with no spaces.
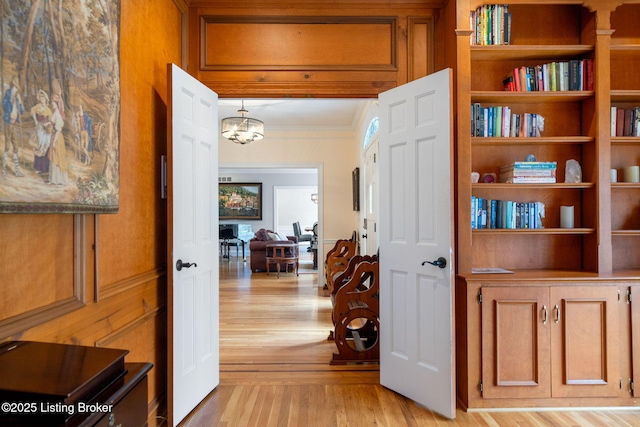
{"x":516,"y":79}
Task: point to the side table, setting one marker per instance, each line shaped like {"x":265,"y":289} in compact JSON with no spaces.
{"x":282,"y":253}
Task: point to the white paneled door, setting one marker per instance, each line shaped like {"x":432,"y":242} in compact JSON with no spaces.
{"x":192,"y":307}
{"x":371,"y":197}
{"x":416,"y":242}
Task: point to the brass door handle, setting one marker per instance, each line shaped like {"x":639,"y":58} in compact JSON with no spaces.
{"x":557,"y":309}
{"x":544,"y":314}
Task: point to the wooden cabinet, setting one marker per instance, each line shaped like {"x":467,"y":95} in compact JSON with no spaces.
{"x":506,"y":354}
{"x":529,"y":340}
{"x":542,"y":342}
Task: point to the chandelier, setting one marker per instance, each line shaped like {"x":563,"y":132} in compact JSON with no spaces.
{"x":242,"y":130}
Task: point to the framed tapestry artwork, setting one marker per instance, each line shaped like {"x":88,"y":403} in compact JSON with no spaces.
{"x":60,"y":80}
{"x":240,"y":200}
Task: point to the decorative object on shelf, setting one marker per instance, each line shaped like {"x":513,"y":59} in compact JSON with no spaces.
{"x":475,"y":177}
{"x":242,"y":130}
{"x":314,"y":197}
{"x":632,"y":174}
{"x":240,"y":201}
{"x":614,"y":175}
{"x":572,"y":172}
{"x":488,"y":178}
{"x":566,"y":216}
{"x":530,"y":158}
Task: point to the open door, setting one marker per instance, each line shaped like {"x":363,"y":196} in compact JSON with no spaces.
{"x":371,"y":197}
{"x":416,"y":242}
{"x":192,"y":300}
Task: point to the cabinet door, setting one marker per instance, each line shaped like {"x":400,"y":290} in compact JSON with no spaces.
{"x":585,"y":341}
{"x":515,"y":342}
{"x":635,"y":338}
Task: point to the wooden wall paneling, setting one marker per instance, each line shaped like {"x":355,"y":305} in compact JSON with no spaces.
{"x":133,"y":242}
{"x":135,"y":336}
{"x":355,"y":50}
{"x":45,"y":278}
{"x":312,"y":43}
{"x":421,"y":42}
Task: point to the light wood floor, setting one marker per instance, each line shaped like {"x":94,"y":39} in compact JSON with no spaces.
{"x":274,"y":368}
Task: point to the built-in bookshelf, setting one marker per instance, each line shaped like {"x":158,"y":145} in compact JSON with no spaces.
{"x":553,"y":267}
{"x":567,"y":132}
{"x":625,"y":149}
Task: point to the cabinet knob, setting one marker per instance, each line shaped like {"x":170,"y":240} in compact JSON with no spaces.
{"x":557,"y":309}
{"x":544,"y":314}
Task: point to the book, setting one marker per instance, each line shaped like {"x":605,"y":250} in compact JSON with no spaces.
{"x":614,"y":116}
{"x":550,"y":173}
{"x":620,"y":122}
{"x":529,"y":166}
{"x":528,"y":180}
{"x":490,"y":270}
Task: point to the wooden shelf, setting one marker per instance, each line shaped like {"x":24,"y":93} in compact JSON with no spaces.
{"x":556,"y":186}
{"x":624,"y":51}
{"x":534,"y":230}
{"x":527,"y":52}
{"x":627,"y":185}
{"x":623,"y":140}
{"x":530,"y":97}
{"x":532,"y":140}
{"x":625,"y":95}
{"x":625,"y":232}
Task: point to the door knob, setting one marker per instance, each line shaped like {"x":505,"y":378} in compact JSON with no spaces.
{"x":180,"y":265}
{"x":440,"y":262}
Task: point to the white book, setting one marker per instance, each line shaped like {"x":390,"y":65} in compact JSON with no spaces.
{"x":614,"y":120}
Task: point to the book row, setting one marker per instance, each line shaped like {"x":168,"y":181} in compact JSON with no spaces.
{"x":505,"y":214}
{"x":575,"y":74}
{"x":499,"y":121}
{"x":491,"y":25}
{"x":625,"y":121}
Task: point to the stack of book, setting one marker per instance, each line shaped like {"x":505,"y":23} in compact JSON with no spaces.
{"x":529,"y":173}
{"x":576,"y":74}
{"x":491,"y":25}
{"x":491,"y":214}
{"x":625,"y":121}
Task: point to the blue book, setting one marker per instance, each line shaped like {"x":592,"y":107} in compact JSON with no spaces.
{"x":494,"y":214}
{"x":473,"y":210}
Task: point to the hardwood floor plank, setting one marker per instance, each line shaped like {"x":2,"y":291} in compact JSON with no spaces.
{"x":275,"y":371}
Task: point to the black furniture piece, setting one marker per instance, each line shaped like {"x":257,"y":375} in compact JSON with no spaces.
{"x":233,"y":235}
{"x":61,"y":385}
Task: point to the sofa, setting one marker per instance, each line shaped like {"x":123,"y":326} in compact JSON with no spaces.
{"x":258,"y":248}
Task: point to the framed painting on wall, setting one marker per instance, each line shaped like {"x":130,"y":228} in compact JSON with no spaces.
{"x":60,"y":81}
{"x":240,"y":200}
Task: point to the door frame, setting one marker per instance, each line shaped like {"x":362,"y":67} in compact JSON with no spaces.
{"x":300,"y":165}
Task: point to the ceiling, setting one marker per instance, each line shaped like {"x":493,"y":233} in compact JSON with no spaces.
{"x":299,"y":113}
